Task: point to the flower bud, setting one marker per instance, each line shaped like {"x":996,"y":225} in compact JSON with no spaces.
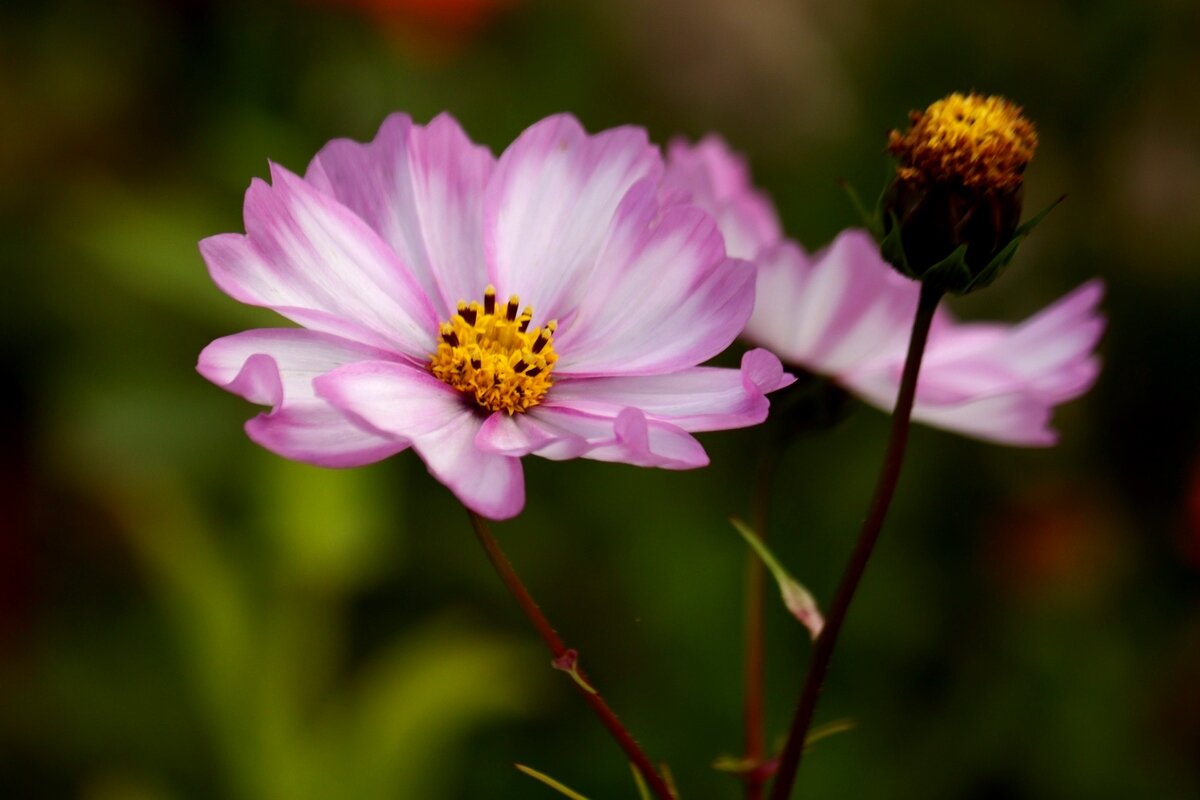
{"x":952,"y":212}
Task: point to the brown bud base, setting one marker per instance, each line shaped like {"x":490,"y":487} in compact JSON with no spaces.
{"x":938,"y":235}
{"x":937,"y":219}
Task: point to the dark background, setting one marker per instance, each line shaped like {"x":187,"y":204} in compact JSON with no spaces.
{"x":184,"y":615}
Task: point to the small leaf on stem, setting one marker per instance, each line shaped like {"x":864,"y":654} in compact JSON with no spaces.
{"x":797,"y":599}
{"x":746,"y":768}
{"x":548,"y":781}
{"x":735,"y":764}
{"x":669,"y":778}
{"x":828,"y":729}
{"x":643,"y":789}
{"x":568,"y":662}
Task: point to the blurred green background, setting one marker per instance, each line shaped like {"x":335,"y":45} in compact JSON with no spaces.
{"x":184,"y":615}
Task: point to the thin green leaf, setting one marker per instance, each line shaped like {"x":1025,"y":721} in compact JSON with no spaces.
{"x":828,"y":729}
{"x":797,"y":599}
{"x":737,"y":765}
{"x":668,"y":779}
{"x":643,"y":789}
{"x":548,"y":781}
{"x":1027,"y":227}
{"x":869,"y":220}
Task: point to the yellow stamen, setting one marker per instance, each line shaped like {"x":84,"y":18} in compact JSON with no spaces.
{"x":979,"y":142}
{"x":492,"y":355}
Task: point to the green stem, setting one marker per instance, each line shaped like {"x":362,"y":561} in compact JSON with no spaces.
{"x":563,"y":655}
{"x":885,"y":488}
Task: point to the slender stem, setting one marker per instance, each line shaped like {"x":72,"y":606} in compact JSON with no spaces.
{"x":885,"y":487}
{"x":562,"y":654}
{"x":755,"y":641}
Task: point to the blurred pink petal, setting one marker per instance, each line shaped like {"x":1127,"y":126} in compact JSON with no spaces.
{"x":844,"y":313}
{"x":719,"y":181}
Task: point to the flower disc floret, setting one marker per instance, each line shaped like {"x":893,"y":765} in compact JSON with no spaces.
{"x":494,"y":357}
{"x":979,"y":142}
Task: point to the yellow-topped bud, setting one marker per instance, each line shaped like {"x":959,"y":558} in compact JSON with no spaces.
{"x":951,"y":215}
{"x":978,"y":142}
{"x":490,"y":354}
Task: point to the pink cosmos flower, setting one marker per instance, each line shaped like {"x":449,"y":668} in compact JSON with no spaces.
{"x":403,"y":260}
{"x":844,"y":313}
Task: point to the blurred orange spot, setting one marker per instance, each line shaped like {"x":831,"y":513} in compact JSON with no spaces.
{"x":452,"y":15}
{"x":1057,"y":540}
{"x":1190,"y":540}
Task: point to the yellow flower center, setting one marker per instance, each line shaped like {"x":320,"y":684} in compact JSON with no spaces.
{"x":980,"y":142}
{"x":492,"y":355}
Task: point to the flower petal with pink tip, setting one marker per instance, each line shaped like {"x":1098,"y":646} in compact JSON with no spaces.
{"x":311,"y":259}
{"x":695,"y":399}
{"x":408,"y":403}
{"x":660,"y":271}
{"x":998,"y":382}
{"x":835,"y":309}
{"x":276,"y":367}
{"x":717,"y":179}
{"x":549,"y":205}
{"x":560,"y":433}
{"x":421,"y":189}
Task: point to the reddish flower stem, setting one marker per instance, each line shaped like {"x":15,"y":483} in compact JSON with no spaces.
{"x":755,"y":635}
{"x":885,"y":488}
{"x":563,"y":655}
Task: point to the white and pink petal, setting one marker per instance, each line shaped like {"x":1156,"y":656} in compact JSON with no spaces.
{"x":549,"y":204}
{"x":1054,"y":349}
{"x":718,"y":180}
{"x":694,"y":399}
{"x":421,"y":189}
{"x":402,"y":401}
{"x":997,"y":382}
{"x":561,"y":432}
{"x":832,"y":311}
{"x":314,"y":261}
{"x":664,"y":297}
{"x":276,"y":367}
{"x":1011,"y":419}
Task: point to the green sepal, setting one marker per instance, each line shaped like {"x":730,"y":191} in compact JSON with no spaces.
{"x":892,"y":249}
{"x":994,"y":267}
{"x":871,"y":221}
{"x":952,"y":273}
